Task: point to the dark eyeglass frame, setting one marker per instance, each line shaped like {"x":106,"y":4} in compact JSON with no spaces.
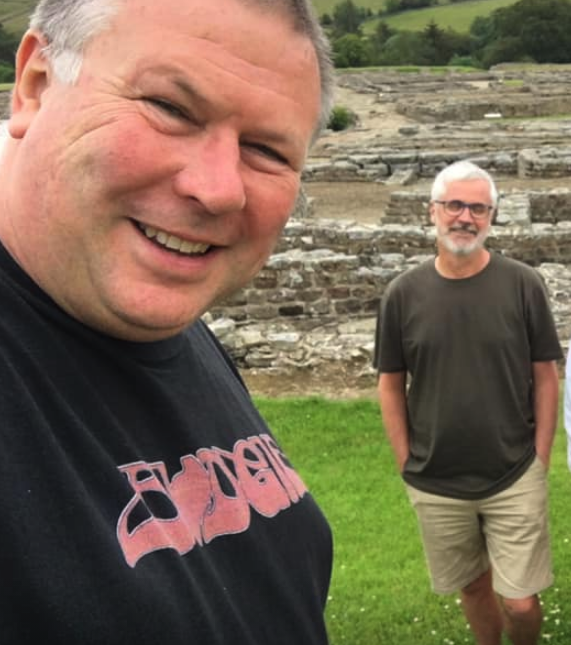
{"x":454,"y":207}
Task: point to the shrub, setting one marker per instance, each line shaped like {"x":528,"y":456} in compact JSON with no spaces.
{"x":342,"y":118}
{"x":462,"y":61}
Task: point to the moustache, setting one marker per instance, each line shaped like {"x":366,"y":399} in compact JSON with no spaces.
{"x":463,"y":228}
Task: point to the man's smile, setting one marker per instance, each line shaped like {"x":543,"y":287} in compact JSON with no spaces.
{"x":172,"y":242}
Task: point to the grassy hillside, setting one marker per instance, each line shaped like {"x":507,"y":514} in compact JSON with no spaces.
{"x":456,"y":16}
{"x":327,"y":6}
{"x":14,"y":14}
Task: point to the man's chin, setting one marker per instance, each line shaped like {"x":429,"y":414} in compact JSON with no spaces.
{"x":462,"y":250}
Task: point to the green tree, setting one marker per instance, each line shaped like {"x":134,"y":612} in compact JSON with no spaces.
{"x":405,"y":48}
{"x":504,"y":50}
{"x":536,"y":29}
{"x":351,"y":50}
{"x":8,"y":46}
{"x":437,"y":46}
{"x":347,"y":18}
{"x":378,"y":39}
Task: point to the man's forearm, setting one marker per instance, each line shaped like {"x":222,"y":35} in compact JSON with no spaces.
{"x":392,"y":398}
{"x":546,"y":399}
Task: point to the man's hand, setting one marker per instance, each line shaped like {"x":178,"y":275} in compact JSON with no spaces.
{"x":392,"y":398}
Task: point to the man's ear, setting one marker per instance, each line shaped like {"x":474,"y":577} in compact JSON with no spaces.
{"x":431,"y":211}
{"x":33,"y":74}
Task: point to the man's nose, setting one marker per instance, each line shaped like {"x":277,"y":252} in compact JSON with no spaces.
{"x":213,"y":174}
{"x":465,"y":215}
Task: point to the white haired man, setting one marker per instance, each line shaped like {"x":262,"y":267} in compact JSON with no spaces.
{"x":155,"y":154}
{"x":472,"y":435}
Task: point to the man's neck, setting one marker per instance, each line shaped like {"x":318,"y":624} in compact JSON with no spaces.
{"x":456,"y":267}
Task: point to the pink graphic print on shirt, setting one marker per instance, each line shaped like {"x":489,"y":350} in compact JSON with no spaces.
{"x":213,"y":495}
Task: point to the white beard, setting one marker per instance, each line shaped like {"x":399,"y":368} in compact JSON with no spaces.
{"x":462,"y":248}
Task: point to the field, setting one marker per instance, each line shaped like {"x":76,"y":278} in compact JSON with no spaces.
{"x":380,"y":590}
{"x":458,"y":16}
{"x":14,"y":14}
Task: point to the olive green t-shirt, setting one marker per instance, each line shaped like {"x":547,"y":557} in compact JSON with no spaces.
{"x":468,"y":346}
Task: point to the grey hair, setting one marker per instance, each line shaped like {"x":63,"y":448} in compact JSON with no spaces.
{"x":69,"y":25}
{"x":462,"y":171}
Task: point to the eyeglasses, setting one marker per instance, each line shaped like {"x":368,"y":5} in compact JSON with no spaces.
{"x":454,"y":207}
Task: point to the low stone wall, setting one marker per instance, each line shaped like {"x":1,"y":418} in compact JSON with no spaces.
{"x":547,"y":162}
{"x":380,"y":164}
{"x":349,"y":275}
{"x":283,"y":343}
{"x":526,"y":106}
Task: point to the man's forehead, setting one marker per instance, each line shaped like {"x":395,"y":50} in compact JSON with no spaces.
{"x":476,"y":184}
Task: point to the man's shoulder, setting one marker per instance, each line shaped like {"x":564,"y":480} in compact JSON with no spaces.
{"x":413,"y":276}
{"x":516,"y":268}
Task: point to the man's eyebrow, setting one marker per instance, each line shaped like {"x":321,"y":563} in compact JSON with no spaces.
{"x":193,"y":94}
{"x":187,"y":88}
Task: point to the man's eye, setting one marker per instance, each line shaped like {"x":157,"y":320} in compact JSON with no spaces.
{"x":266,"y":151}
{"x":168,"y":108}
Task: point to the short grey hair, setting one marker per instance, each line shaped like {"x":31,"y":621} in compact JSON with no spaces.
{"x":69,"y":25}
{"x":462,"y":171}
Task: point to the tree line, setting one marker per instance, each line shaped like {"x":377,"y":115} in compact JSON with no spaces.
{"x":528,"y":31}
{"x":8,"y":46}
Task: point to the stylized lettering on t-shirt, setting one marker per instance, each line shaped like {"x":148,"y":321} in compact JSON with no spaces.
{"x":212,"y":495}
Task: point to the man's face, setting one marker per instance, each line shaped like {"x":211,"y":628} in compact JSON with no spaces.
{"x":162,"y":180}
{"x":462,"y":234}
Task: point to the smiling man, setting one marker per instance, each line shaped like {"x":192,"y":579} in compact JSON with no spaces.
{"x":472,"y":434}
{"x":154,"y":157}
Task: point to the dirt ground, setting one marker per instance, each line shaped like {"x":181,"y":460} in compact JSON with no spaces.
{"x":332,"y":381}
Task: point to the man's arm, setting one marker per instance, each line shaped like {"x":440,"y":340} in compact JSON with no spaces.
{"x":546,"y":398}
{"x":392,"y":397}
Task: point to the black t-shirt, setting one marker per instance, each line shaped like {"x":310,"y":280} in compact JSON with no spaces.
{"x":143,"y":499}
{"x":469,"y":346}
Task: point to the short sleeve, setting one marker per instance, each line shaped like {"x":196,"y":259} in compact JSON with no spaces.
{"x":542,"y":333}
{"x":388,"y":338}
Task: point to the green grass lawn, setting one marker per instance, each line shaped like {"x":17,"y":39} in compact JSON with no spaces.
{"x":458,"y":16}
{"x":327,"y":6}
{"x":14,"y":14}
{"x":380,"y":593}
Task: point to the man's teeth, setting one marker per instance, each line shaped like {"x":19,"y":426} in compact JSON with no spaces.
{"x":174,"y":243}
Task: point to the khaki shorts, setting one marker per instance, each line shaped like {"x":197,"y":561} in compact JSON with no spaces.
{"x":507,"y":531}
